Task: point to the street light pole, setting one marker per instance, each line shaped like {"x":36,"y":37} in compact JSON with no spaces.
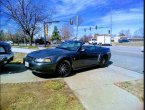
{"x":44,"y":35}
{"x":77,"y":18}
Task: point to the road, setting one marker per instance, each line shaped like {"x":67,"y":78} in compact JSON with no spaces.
{"x":130,"y":58}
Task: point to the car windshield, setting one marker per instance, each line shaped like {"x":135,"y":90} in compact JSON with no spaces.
{"x":72,"y":46}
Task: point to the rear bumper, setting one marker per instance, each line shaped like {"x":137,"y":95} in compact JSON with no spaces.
{"x":45,"y":68}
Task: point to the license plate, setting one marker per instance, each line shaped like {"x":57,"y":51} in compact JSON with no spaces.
{"x":26,"y":64}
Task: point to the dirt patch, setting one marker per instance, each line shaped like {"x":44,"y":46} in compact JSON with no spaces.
{"x":131,"y":43}
{"x":135,"y":87}
{"x":46,"y":95}
{"x":18,"y":58}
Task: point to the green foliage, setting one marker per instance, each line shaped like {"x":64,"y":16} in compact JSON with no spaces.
{"x":55,"y":34}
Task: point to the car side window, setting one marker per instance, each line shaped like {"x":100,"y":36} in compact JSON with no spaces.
{"x":89,"y":48}
{"x":2,"y":50}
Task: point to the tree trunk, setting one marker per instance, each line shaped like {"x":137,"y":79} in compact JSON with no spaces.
{"x":31,"y":39}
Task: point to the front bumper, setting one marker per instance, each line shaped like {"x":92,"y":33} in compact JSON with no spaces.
{"x":47,"y":68}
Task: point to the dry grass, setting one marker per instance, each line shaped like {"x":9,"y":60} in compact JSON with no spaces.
{"x":18,"y":57}
{"x":48,"y":95}
{"x":131,"y":43}
{"x":24,"y":46}
{"x":135,"y":87}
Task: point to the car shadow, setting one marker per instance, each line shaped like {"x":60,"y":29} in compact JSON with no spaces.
{"x":90,"y":68}
{"x":45,"y":75}
{"x":13,"y":68}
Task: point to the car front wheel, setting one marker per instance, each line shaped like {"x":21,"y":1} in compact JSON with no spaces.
{"x":64,"y":68}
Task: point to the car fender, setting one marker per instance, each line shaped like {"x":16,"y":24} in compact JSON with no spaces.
{"x":59,"y":59}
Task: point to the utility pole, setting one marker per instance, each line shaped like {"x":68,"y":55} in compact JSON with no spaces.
{"x":77,"y":19}
{"x":111,"y":22}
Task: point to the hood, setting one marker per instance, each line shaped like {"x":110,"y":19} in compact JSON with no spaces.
{"x":48,"y":52}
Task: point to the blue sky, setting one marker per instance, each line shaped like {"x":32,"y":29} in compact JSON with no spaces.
{"x":126,"y":14}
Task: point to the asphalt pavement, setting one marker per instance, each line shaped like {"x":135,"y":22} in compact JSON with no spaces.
{"x":130,"y":58}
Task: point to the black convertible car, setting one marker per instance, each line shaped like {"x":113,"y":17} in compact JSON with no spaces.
{"x":68,"y":56}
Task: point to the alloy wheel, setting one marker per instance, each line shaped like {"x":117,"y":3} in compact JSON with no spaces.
{"x":64,"y":68}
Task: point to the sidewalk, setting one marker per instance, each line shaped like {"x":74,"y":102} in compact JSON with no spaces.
{"x":96,"y":89}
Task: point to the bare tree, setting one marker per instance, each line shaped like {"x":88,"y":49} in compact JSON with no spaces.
{"x":139,"y":32}
{"x":85,"y":38}
{"x":66,"y":32}
{"x":26,"y":14}
{"x":125,"y":33}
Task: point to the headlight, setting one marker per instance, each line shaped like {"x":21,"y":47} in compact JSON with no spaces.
{"x":45,"y":60}
{"x":2,"y":58}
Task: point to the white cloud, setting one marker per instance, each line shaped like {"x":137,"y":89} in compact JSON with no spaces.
{"x":119,"y":17}
{"x":135,"y":10}
{"x":73,"y":7}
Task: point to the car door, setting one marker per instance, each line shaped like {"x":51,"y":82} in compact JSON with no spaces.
{"x":80,"y":60}
{"x":92,"y":55}
{"x":86,"y":57}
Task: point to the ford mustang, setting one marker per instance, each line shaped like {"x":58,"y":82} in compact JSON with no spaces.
{"x":68,"y":56}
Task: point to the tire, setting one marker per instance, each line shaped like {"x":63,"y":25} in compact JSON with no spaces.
{"x":103,"y":62}
{"x":64,"y":68}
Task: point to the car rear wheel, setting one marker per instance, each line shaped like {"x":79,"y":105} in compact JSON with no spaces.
{"x":103,"y":62}
{"x":64,"y":68}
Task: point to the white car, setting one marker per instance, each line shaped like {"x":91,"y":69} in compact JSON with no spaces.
{"x":93,"y":41}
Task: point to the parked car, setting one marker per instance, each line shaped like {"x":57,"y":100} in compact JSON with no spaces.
{"x":93,"y":41}
{"x":70,"y":55}
{"x":41,"y":41}
{"x":6,"y":55}
{"x":123,"y":40}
